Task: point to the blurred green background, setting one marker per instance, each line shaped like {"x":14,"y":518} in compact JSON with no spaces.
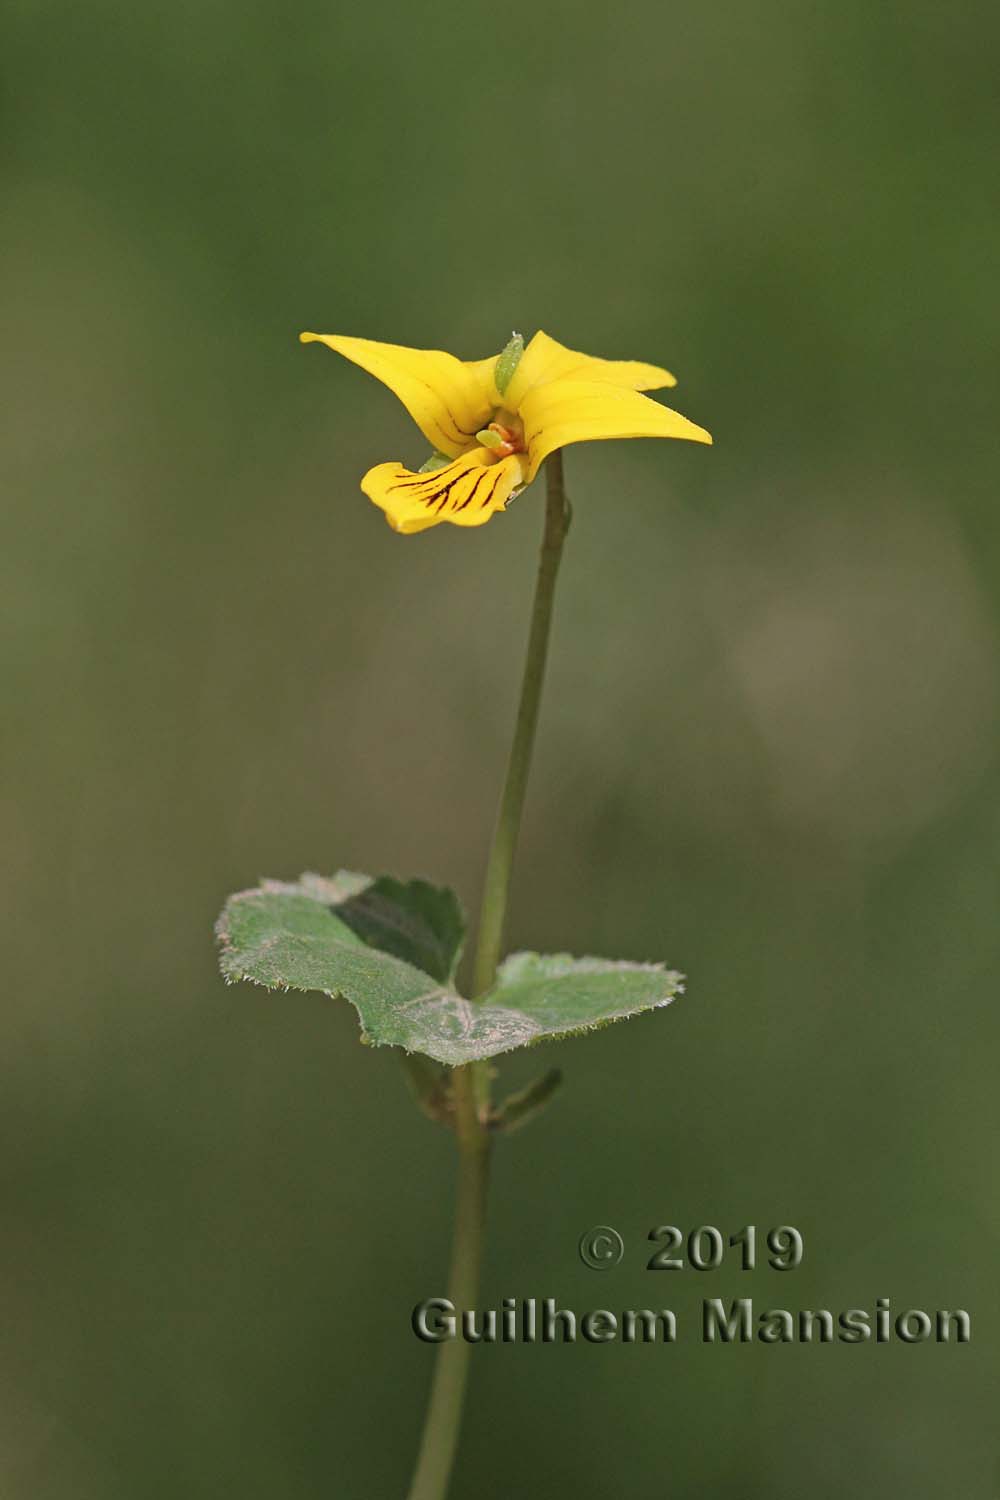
{"x":768,"y":751}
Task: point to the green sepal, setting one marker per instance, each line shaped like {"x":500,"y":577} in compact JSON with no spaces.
{"x":437,"y":460}
{"x":391,"y":948}
{"x":508,"y":362}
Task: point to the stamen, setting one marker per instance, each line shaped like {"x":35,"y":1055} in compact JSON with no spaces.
{"x":500,"y":440}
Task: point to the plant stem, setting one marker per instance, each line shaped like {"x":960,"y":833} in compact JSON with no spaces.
{"x":494,"y":908}
{"x":444,"y":1411}
{"x":471,"y":1084}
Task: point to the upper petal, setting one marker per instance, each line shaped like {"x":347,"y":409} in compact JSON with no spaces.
{"x":446,"y":398}
{"x":580,"y":411}
{"x":546,"y":359}
{"x":467,"y":492}
{"x":482,"y":371}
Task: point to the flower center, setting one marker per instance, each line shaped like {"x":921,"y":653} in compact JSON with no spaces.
{"x":503,"y":436}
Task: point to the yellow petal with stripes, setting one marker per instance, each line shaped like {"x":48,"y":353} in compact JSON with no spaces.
{"x":546,"y":359}
{"x":447,"y":399}
{"x":583,"y":411}
{"x":466,"y":492}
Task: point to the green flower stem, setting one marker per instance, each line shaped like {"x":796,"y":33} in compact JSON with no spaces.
{"x":471,"y":1084}
{"x":494,"y":909}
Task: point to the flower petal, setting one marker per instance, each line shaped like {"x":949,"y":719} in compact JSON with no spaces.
{"x":482,"y":371}
{"x":446,"y":398}
{"x":466,"y":492}
{"x":546,"y":359}
{"x":582,"y":411}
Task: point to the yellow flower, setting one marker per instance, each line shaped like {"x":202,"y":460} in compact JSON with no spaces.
{"x":492,"y":422}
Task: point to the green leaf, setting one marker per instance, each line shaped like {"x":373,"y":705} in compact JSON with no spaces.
{"x":391,"y":949}
{"x":566,"y":996}
{"x":420,"y":923}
